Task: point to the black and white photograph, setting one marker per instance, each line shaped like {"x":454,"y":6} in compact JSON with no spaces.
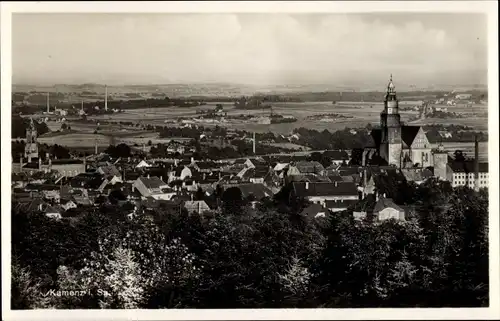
{"x":250,"y":159}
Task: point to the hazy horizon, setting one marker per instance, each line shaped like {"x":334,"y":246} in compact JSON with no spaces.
{"x":249,"y":49}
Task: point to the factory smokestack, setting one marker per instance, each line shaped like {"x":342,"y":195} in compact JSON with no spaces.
{"x":476,"y":163}
{"x":106,"y":97}
{"x":254,"y":143}
{"x":95,"y":147}
{"x":48,"y":103}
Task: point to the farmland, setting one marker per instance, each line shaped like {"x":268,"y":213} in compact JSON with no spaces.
{"x":358,"y":114}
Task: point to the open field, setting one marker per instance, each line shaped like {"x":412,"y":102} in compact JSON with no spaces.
{"x":289,"y":146}
{"x":476,"y":123}
{"x":85,"y":140}
{"x":363,"y":113}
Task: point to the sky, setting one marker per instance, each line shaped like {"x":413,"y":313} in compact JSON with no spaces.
{"x":75,"y":48}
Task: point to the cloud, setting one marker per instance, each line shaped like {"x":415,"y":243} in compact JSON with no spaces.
{"x":241,"y":48}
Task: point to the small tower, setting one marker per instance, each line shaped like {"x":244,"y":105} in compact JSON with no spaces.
{"x":390,"y":123}
{"x":31,"y":147}
{"x":106,"y":97}
{"x":440,"y":160}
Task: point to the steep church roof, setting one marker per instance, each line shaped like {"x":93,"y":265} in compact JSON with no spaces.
{"x":408,"y":134}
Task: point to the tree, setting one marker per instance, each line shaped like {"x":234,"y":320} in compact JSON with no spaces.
{"x":459,"y":156}
{"x":356,"y":157}
{"x":199,"y":194}
{"x":232,"y":199}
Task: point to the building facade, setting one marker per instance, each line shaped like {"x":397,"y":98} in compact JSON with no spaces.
{"x":398,"y":144}
{"x":31,"y":147}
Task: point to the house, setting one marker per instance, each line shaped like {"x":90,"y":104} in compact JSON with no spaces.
{"x":196,"y":207}
{"x":314,"y":211}
{"x":180,"y":173}
{"x":153,"y":187}
{"x":68,"y":204}
{"x":206,"y":167}
{"x":53,"y":212}
{"x":339,"y":205}
{"x":336,"y":156}
{"x":279,"y":167}
{"x":463,"y":174}
{"x":417,"y":175}
{"x":84,"y":181}
{"x":111,"y":173}
{"x":305,"y":167}
{"x":254,"y":175}
{"x":324,"y":191}
{"x":142,"y":164}
{"x":175,"y":147}
{"x":386,"y":209}
{"x":257,"y":191}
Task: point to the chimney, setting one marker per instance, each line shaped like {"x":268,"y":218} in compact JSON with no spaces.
{"x":48,"y":103}
{"x":307,"y":185}
{"x":476,"y":163}
{"x":106,"y":97}
{"x":95,"y":151}
{"x":253,"y":141}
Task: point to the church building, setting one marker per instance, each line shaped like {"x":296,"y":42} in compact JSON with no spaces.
{"x":31,"y":147}
{"x":397,"y":144}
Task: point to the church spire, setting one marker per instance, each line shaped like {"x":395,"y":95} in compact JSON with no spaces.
{"x":390,"y":87}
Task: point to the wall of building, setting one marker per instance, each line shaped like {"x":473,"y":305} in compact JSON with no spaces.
{"x":394,"y":154}
{"x":388,"y":213}
{"x":468,"y":179}
{"x":322,"y":199}
{"x":69,"y":170}
{"x":440,"y":161}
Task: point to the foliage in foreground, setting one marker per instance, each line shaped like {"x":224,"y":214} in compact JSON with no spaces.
{"x":269,"y":257}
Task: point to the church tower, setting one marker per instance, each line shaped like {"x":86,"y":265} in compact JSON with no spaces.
{"x":31,"y":148}
{"x":390,"y":123}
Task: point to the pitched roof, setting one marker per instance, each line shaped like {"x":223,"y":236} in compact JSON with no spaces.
{"x":325,"y":189}
{"x":152,"y":182}
{"x":207,"y":165}
{"x":336,"y":154}
{"x":408,"y":134}
{"x":110,"y":170}
{"x":259,"y":191}
{"x":467,"y":167}
{"x":309,"y":167}
{"x":376,"y":136}
{"x":416,"y":174}
{"x":314,"y":209}
{"x":196,"y":205}
{"x":87,"y":180}
{"x":384,"y":203}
